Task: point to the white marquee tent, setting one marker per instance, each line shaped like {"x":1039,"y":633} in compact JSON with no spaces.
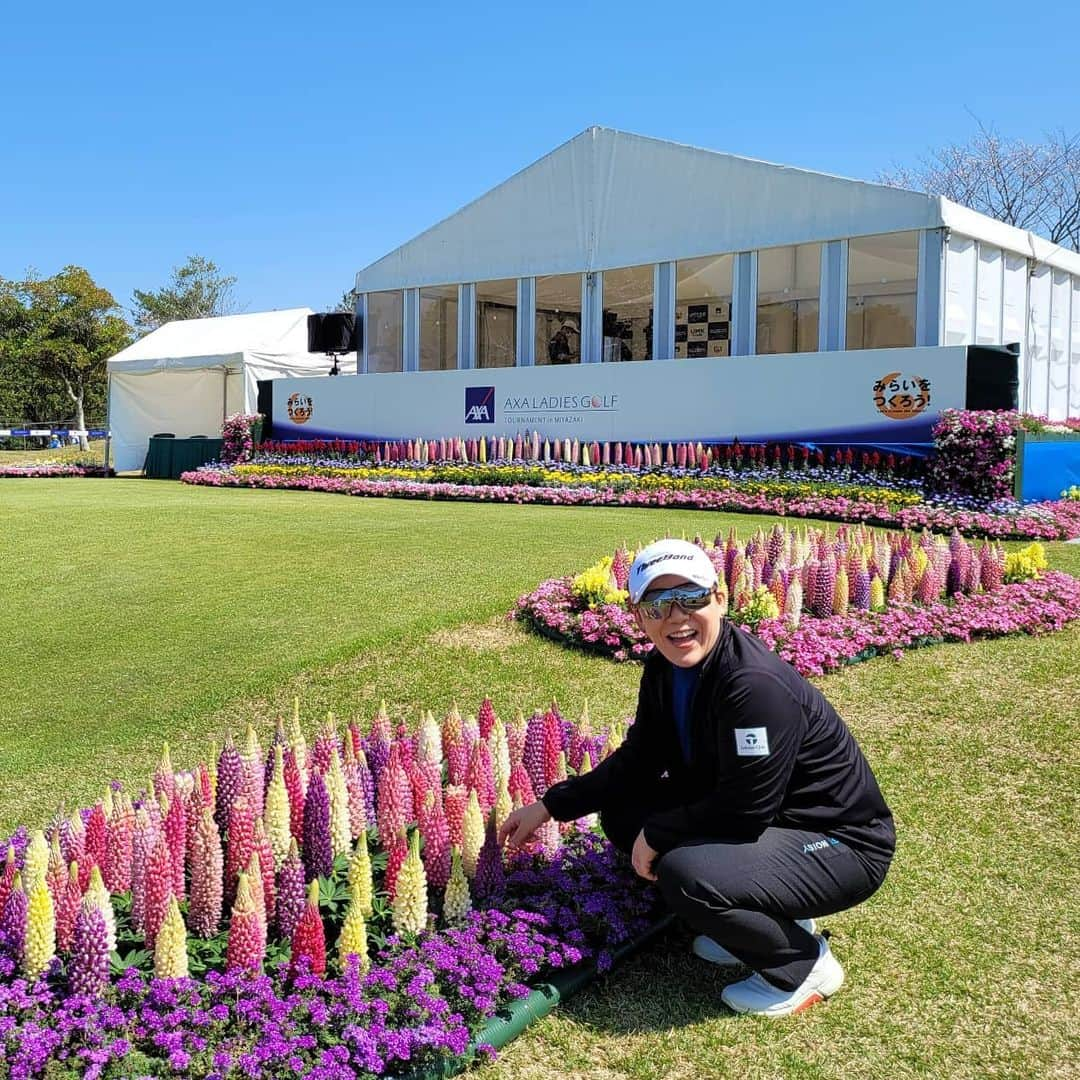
{"x":187,"y":376}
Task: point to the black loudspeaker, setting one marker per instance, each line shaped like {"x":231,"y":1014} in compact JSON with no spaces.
{"x":992,"y":378}
{"x":332,"y":332}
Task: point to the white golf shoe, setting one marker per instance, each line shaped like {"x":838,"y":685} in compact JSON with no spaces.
{"x":708,"y":949}
{"x":759,"y":997}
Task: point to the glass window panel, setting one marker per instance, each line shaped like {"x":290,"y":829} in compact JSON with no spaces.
{"x":882,"y":278}
{"x":628,"y":313}
{"x":703,"y":299}
{"x":384,"y":330}
{"x":438,"y":328}
{"x":789,"y":294}
{"x":558,"y":319}
{"x":496,"y":323}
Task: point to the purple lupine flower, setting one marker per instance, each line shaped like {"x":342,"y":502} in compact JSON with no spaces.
{"x":318,"y":852}
{"x":88,"y":969}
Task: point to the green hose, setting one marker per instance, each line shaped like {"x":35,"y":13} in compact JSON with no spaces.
{"x":511,"y":1020}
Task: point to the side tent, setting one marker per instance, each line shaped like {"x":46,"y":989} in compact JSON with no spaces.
{"x":187,"y":376}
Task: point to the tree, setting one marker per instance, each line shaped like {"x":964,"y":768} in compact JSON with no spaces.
{"x":197,"y":290}
{"x":57,"y":333}
{"x":1032,"y":185}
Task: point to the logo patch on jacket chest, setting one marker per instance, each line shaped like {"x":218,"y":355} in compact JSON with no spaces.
{"x":751,"y":742}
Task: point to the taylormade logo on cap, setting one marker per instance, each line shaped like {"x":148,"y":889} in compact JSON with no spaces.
{"x":678,"y":557}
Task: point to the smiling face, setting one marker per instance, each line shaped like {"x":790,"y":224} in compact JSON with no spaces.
{"x":684,"y":637}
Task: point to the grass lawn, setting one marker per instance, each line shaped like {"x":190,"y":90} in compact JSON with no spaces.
{"x":139,"y":610}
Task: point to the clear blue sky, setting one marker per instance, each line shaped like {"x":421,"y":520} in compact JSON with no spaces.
{"x":294,"y":144}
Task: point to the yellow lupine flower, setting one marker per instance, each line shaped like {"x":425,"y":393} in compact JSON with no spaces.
{"x":360,"y":875}
{"x":96,"y":891}
{"x":353,"y":939}
{"x":472,"y":834}
{"x":276,"y":812}
{"x":877,"y":594}
{"x":40,"y":931}
{"x":410,"y":909}
{"x":36,"y":862}
{"x":340,"y":828}
{"x":170,"y":947}
{"x":457,"y":901}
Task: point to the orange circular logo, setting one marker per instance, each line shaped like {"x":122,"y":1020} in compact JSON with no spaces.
{"x":901,"y":397}
{"x":300,"y":408}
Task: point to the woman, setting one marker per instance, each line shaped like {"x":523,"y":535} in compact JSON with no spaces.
{"x":738,"y":789}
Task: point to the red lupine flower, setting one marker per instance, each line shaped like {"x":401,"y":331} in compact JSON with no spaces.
{"x":309,"y":938}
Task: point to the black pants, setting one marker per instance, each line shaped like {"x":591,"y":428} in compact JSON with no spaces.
{"x":746,"y":894}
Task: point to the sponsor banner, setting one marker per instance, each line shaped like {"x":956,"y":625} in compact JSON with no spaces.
{"x":870,"y":395}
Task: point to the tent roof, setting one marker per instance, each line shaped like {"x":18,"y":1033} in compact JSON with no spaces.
{"x":221,"y":341}
{"x":607,"y":199}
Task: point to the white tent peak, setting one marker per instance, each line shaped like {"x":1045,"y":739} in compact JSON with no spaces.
{"x":608,"y":198}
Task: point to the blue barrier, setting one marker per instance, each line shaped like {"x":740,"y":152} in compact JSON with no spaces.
{"x":1046,"y":465}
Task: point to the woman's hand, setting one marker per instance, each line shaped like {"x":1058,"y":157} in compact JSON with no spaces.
{"x":522,"y":823}
{"x":643,"y":857}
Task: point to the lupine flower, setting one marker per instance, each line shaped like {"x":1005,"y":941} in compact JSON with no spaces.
{"x":67,"y":902}
{"x":515,"y":738}
{"x":367,"y":784}
{"x":590,"y":820}
{"x":354,"y":788}
{"x":480,"y":776}
{"x":396,"y":853}
{"x":485,"y":718}
{"x":88,"y":969}
{"x":309,"y":938}
{"x":96,"y":837}
{"x":454,"y":802}
{"x":326,"y":745}
{"x":144,"y":839}
{"x":290,"y":892}
{"x":253,"y":870}
{"x":266,"y":869}
{"x":35,"y":862}
{"x":457,"y":902}
{"x":410,"y":908}
{"x":276,"y":811}
{"x":429,"y":741}
{"x":504,"y":805}
{"x":170,"y":948}
{"x":121,"y":828}
{"x":8,"y":877}
{"x":548,"y":837}
{"x":207,"y":878}
{"x":296,"y":790}
{"x":338,"y":795}
{"x":520,"y":786}
{"x":360,"y":883}
{"x":231,"y":782}
{"x":40,"y":944}
{"x":246,"y":946}
{"x":159,"y":877}
{"x":840,"y":593}
{"x":240,"y":842}
{"x":472,"y":834}
{"x":490,"y":879}
{"x":877,"y":594}
{"x":318,"y":849}
{"x":13,"y":919}
{"x":378,"y":748}
{"x":176,"y":838}
{"x":393,"y":804}
{"x":533,"y":755}
{"x":436,"y":834}
{"x":298,"y":746}
{"x":353,"y":938}
{"x":163,"y":781}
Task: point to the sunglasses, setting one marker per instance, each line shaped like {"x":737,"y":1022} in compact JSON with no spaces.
{"x":659,"y":605}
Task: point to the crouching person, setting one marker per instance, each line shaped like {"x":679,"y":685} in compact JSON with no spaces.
{"x":738,"y":789}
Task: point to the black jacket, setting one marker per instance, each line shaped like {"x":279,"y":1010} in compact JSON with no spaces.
{"x":767,"y":749}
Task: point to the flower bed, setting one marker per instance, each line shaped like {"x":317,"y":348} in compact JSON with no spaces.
{"x":46,"y":468}
{"x":822,"y":601}
{"x":1056,"y":520}
{"x":219,"y":962}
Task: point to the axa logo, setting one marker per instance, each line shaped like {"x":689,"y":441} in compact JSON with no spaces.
{"x":479,"y":404}
{"x":300,"y":407}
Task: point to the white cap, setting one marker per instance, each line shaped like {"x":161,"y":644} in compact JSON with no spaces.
{"x":677,"y":557}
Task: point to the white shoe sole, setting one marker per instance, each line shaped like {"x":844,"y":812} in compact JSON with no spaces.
{"x":773,"y":1003}
{"x":708,"y":950}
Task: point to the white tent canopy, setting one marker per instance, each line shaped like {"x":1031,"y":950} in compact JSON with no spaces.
{"x":187,"y":376}
{"x":609,"y":199}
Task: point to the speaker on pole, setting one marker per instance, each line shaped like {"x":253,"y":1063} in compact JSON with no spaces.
{"x":332,"y":332}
